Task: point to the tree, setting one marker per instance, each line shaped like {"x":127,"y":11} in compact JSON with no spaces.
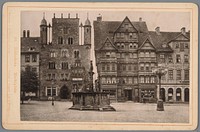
{"x":29,"y":82}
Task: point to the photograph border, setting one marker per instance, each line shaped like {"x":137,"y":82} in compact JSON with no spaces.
{"x":9,"y":113}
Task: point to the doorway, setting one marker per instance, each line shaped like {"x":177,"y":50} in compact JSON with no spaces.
{"x":64,"y":92}
{"x":186,"y":93}
{"x":128,"y":94}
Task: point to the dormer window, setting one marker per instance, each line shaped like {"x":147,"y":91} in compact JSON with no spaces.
{"x":164,"y":45}
{"x":118,"y":45}
{"x":135,"y":46}
{"x":177,"y":45}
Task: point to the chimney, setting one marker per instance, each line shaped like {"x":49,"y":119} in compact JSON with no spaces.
{"x":24,"y":33}
{"x":28,"y":33}
{"x":54,"y":15}
{"x":99,"y":18}
{"x":68,"y":15}
{"x":157,"y":29}
{"x":183,"y":30}
{"x":76,"y":15}
{"x":61,"y":15}
{"x":140,"y":19}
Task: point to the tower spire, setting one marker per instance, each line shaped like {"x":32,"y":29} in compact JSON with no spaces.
{"x":43,"y":15}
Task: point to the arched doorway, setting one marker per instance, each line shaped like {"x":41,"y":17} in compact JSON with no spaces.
{"x":178,"y":94}
{"x":170,"y":94}
{"x":186,"y":93}
{"x":162,"y":94}
{"x":64,"y":92}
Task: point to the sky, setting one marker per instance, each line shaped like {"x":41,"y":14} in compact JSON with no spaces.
{"x":167,"y":21}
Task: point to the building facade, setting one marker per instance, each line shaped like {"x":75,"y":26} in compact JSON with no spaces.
{"x":30,"y":53}
{"x":126,"y":53}
{"x":62,"y":61}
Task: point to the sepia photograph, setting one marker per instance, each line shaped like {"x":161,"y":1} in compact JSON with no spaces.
{"x":101,"y":65}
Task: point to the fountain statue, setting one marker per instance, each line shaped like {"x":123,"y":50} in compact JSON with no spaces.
{"x":90,"y":99}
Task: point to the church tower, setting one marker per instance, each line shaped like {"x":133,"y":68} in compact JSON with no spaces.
{"x":43,"y":31}
{"x":87,"y":32}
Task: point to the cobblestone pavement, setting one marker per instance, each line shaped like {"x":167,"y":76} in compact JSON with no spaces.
{"x":125,"y":112}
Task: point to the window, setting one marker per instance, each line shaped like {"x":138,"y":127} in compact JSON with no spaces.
{"x":113,"y":67}
{"x":129,"y":67}
{"x":130,"y":45}
{"x":135,"y":46}
{"x":178,"y":59}
{"x":124,"y":67}
{"x":130,"y":80}
{"x":122,"y":46}
{"x":118,"y":35}
{"x":134,"y":35}
{"x":152,"y":54}
{"x":118,"y":46}
{"x":52,"y":54}
{"x":64,"y":53}
{"x":170,"y":74}
{"x":51,"y":91}
{"x":34,"y":69}
{"x":170,"y":59}
{"x":66,"y":30}
{"x":134,"y":55}
{"x":113,"y":80}
{"x":142,"y":79}
{"x":178,"y":75}
{"x":130,"y":35}
{"x":108,"y":80}
{"x":152,"y":79}
{"x":182,"y":46}
{"x":141,"y":54}
{"x":147,"y":79}
{"x":135,"y":79}
{"x":53,"y":76}
{"x":64,"y":65}
{"x":107,"y":54}
{"x":186,"y":74}
{"x":147,"y":54}
{"x":103,"y":67}
{"x":49,"y":77}
{"x":122,"y":35}
{"x":103,"y":80}
{"x":177,"y":45}
{"x":142,"y":67}
{"x":76,"y":54}
{"x":147,"y":67}
{"x":70,"y":40}
{"x":60,"y":40}
{"x":162,"y":58}
{"x":34,"y":58}
{"x":27,"y":58}
{"x":186,"y":58}
{"x":126,"y":26}
{"x":52,"y":65}
{"x":108,"y":67}
{"x":186,"y":45}
{"x":62,"y":77}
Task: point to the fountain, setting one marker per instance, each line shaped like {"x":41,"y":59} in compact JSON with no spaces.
{"x":88,"y":99}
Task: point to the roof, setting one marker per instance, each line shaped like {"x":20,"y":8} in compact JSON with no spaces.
{"x":43,"y":22}
{"x":104,"y":29}
{"x":30,"y":44}
{"x":164,"y":38}
{"x":87,"y":22}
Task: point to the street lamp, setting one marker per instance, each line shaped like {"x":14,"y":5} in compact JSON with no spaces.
{"x":52,"y":99}
{"x":159,"y":71}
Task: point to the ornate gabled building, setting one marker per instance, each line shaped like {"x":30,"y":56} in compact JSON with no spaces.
{"x":126,"y":52}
